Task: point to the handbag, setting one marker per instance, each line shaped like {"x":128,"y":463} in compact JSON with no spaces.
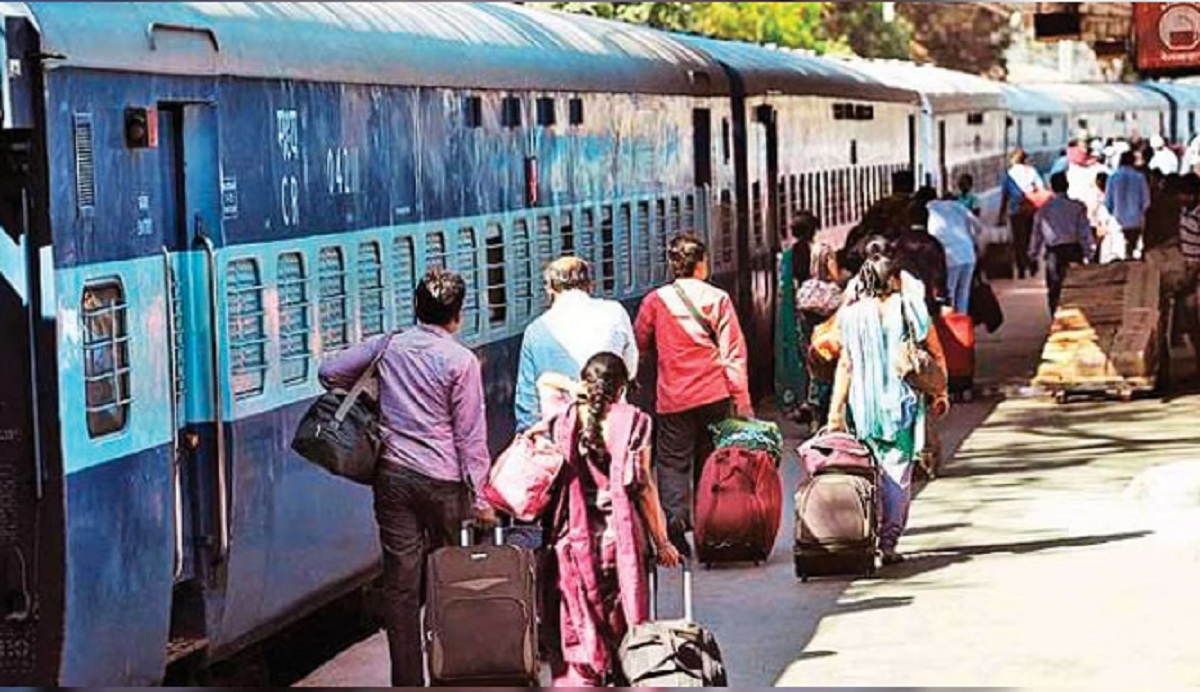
{"x":983,"y":307}
{"x":824,"y":349}
{"x":917,"y":365}
{"x":816,"y":295}
{"x":522,"y":479}
{"x":340,"y":431}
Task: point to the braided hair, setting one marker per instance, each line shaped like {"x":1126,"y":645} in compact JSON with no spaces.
{"x":604,"y":379}
{"x":878,"y":270}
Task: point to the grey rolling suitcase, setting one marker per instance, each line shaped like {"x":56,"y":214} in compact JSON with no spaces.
{"x":480,"y":615}
{"x":837,"y":517}
{"x":671,"y":653}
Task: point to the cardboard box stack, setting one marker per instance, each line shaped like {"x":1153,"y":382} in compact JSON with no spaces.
{"x":1105,"y":331}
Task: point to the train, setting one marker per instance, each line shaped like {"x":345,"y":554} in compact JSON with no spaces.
{"x":201,"y":200}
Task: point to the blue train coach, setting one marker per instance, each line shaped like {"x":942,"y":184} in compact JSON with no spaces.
{"x":200,"y":200}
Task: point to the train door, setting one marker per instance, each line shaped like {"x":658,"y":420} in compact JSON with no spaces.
{"x":190,"y":194}
{"x":702,"y":159}
{"x":767,"y":116}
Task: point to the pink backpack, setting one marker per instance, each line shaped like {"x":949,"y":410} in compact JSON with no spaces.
{"x":521,"y":480}
{"x":836,"y":452}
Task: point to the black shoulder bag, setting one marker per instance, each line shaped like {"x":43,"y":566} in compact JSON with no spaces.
{"x":340,"y":431}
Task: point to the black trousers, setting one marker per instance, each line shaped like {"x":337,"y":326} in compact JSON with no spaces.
{"x":683,"y":443}
{"x":416,"y":515}
{"x":1058,"y":258}
{"x":1021,"y":224}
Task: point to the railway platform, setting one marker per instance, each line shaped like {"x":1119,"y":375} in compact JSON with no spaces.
{"x":1058,"y":545}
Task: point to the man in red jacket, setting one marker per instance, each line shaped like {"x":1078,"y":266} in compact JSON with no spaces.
{"x":702,"y":373}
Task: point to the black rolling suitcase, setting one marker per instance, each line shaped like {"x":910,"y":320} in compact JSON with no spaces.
{"x":837,"y":519}
{"x":480,"y":615}
{"x":671,"y":653}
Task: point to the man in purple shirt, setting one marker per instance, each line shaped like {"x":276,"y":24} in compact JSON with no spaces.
{"x":435,"y":457}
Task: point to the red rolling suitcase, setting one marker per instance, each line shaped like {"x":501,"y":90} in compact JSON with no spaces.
{"x":739,"y":506}
{"x":957,"y":334}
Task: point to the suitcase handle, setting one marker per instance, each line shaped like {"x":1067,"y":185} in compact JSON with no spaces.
{"x":465,"y":535}
{"x":688,"y":611}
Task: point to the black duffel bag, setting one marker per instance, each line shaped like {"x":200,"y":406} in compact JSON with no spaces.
{"x":340,"y":432}
{"x":984,"y":307}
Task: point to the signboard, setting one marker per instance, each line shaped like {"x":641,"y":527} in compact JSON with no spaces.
{"x":1168,"y":37}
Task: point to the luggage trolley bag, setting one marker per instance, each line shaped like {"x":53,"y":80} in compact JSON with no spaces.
{"x":480,"y":615}
{"x":837,"y":509}
{"x":957,"y":334}
{"x":739,"y":506}
{"x":671,"y":653}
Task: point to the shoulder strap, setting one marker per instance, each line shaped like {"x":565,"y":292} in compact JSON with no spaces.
{"x":361,"y":383}
{"x":695,"y":314}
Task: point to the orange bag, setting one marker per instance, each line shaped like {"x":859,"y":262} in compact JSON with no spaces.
{"x":824,"y":349}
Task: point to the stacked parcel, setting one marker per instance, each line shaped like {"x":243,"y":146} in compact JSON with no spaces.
{"x":1105,"y":331}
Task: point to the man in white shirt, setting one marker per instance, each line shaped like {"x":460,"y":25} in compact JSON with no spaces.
{"x":1164,"y":160}
{"x":574,"y":328}
{"x":960,"y":232}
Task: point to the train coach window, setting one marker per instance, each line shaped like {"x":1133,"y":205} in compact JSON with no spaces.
{"x":1045,"y":120}
{"x":544,"y":251}
{"x":974,"y":118}
{"x":725,"y":139}
{"x":756,"y":212}
{"x":332,"y":299}
{"x":566,"y":233}
{"x":625,"y":236}
{"x":689,"y":214}
{"x":247,"y":332}
{"x":726,"y":228}
{"x":587,"y":237}
{"x":575,"y":111}
{"x":294,"y":325}
{"x":370,"y":289}
{"x":473,"y":111}
{"x":854,"y":152}
{"x":105,"y":357}
{"x":497,"y":289}
{"x":522,"y":260}
{"x":1083,"y":123}
{"x":659,"y":259}
{"x":467,"y":264}
{"x":435,"y":250}
{"x":405,"y":278}
{"x":675,"y":219}
{"x":510,"y":115}
{"x":546,"y":116}
{"x":646,"y":245}
{"x":607,"y":262}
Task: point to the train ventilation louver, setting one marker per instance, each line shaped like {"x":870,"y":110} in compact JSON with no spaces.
{"x":85,"y":165}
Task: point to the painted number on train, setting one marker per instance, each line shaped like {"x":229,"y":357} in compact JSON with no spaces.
{"x":342,"y":170}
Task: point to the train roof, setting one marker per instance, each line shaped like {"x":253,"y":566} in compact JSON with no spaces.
{"x":767,"y":70}
{"x":946,"y":90}
{"x":461,"y":45}
{"x":1098,"y":98}
{"x":1023,"y":101}
{"x":1183,"y":93}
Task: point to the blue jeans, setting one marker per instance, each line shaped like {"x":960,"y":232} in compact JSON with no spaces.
{"x":958,"y":282}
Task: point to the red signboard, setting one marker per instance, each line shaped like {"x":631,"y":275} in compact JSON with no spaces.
{"x":1168,"y":36}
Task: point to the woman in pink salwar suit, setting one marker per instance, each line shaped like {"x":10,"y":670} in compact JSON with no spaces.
{"x":606,"y":504}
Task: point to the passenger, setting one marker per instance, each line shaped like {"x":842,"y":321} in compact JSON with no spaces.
{"x":960,"y":233}
{"x":920,"y":254}
{"x":1062,"y":230}
{"x":889,"y":416}
{"x":1164,"y":160}
{"x":1128,"y":198}
{"x":574,"y":328}
{"x":887,"y":217}
{"x":812,"y":259}
{"x":435,"y":456}
{"x":1162,"y":217}
{"x":1109,"y":236}
{"x":966,"y":196}
{"x":702,"y":373}
{"x":1021,"y":181}
{"x":1063,"y":161}
{"x":608,"y":502}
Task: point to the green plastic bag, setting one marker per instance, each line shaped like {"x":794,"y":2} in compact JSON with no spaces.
{"x":749,"y":434}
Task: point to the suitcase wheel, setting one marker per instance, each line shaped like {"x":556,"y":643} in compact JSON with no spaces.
{"x":967,"y":395}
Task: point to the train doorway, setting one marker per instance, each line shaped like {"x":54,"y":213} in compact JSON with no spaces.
{"x":188,"y":154}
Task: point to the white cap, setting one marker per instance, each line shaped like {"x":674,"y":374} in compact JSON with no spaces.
{"x":1157,"y":142}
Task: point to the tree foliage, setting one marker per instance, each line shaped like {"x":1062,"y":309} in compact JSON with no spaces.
{"x":924,"y":31}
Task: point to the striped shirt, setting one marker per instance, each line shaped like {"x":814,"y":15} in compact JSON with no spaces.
{"x":1189,"y":234}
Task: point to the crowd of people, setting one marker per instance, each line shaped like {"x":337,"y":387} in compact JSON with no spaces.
{"x":858,"y":360}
